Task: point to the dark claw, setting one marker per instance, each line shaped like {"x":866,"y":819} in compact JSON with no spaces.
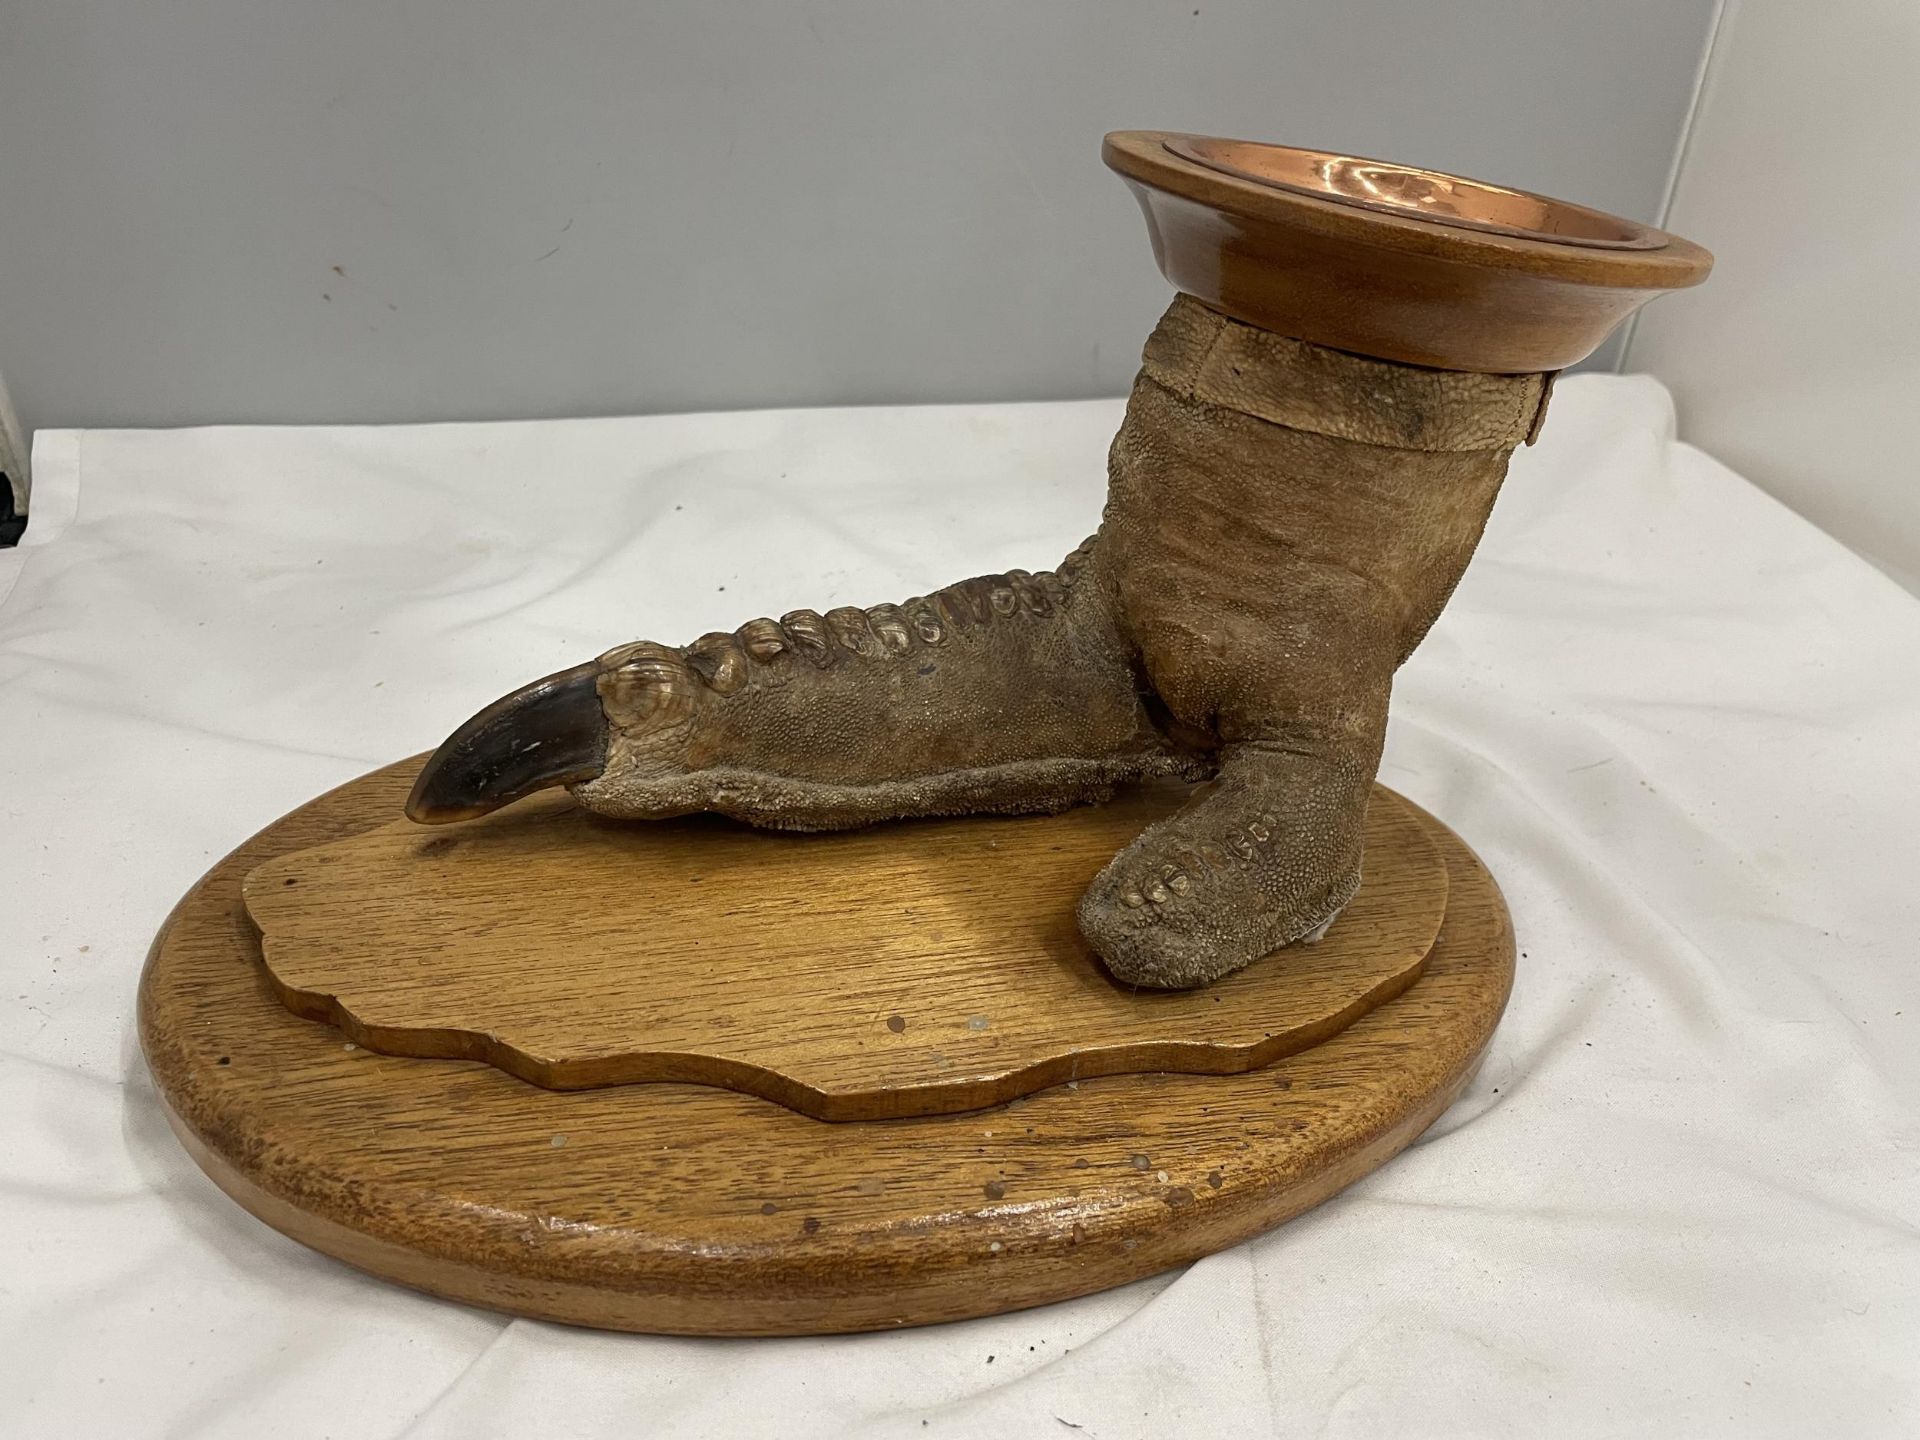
{"x":551,"y":732}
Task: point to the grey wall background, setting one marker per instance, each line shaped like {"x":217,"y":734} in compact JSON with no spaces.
{"x":258,"y":210}
{"x":1798,"y":365}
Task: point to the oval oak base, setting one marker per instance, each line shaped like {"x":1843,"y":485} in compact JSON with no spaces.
{"x":909,"y":969}
{"x":680,"y":1208}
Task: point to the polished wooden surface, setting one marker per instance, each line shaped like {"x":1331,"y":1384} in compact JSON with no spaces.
{"x":908,"y":969}
{"x":684,"y":1208}
{"x":1378,"y":277}
{"x":1411,"y":192}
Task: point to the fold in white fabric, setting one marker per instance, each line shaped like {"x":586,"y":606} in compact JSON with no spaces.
{"x":1680,"y":724}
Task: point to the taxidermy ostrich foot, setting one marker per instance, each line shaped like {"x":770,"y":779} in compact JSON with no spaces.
{"x":1283,"y":523}
{"x":1002,"y":693}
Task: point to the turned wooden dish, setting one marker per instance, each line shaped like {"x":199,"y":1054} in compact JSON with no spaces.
{"x":1389,"y":260}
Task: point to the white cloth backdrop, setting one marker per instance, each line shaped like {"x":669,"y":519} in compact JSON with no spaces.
{"x":1681,"y":725}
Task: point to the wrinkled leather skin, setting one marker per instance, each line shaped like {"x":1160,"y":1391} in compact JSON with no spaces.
{"x":1283,"y":524}
{"x":1002,"y":693}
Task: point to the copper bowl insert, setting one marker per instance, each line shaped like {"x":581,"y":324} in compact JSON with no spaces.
{"x":1420,"y":194}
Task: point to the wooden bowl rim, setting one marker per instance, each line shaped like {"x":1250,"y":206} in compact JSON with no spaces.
{"x":1143,"y":158}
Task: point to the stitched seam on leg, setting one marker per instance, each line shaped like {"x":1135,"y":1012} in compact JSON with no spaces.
{"x":1464,"y":412}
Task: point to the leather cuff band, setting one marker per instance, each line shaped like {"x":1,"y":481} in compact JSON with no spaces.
{"x":1202,"y":355}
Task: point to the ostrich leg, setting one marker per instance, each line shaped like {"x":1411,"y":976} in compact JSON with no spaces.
{"x":1285,"y":519}
{"x":1283,"y":523}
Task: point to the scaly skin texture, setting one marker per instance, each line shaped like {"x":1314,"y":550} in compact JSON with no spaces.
{"x":1003,"y":693}
{"x":1283,"y":524}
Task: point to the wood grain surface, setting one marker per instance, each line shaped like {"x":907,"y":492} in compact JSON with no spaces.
{"x":689,"y":1209}
{"x":1394,"y":286}
{"x":908,"y":969}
